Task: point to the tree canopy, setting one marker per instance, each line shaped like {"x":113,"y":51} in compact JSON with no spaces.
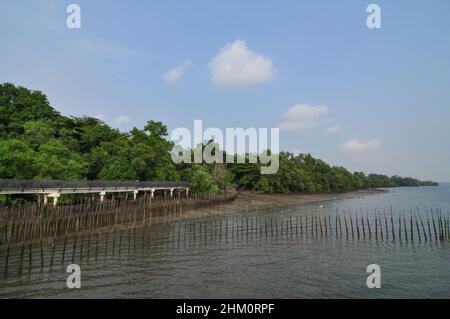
{"x":37,"y":142}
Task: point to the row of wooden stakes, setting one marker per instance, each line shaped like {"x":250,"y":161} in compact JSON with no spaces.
{"x":83,"y":246}
{"x":33,"y":222}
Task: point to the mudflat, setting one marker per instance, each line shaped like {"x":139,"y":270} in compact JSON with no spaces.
{"x":246,"y":200}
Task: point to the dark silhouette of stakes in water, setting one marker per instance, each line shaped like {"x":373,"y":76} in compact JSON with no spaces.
{"x":142,"y":236}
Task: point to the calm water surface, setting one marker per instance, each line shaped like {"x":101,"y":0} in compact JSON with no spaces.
{"x":252,"y":267}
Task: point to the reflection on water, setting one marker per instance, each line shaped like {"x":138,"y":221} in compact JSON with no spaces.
{"x":272,"y":254}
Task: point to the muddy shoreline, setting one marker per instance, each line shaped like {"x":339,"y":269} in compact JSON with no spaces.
{"x":246,"y":200}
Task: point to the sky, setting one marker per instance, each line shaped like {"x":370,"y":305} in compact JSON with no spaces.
{"x":372,"y":100}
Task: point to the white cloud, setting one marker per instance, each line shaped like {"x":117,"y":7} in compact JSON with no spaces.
{"x":121,"y":120}
{"x":302,"y":116}
{"x":238,"y":66}
{"x":100,"y":117}
{"x":173,"y":75}
{"x":354,"y":146}
{"x":332,"y":130}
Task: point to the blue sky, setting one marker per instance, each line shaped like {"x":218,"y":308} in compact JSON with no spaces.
{"x":383,"y":95}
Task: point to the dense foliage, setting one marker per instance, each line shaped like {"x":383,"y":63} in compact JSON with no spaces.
{"x":304,"y":173}
{"x":36,"y":142}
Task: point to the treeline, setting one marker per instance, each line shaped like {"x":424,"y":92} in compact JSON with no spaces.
{"x":304,"y":173}
{"x":37,"y":142}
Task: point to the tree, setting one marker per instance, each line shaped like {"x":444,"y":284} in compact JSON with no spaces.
{"x":37,"y":142}
{"x":200,"y":180}
{"x":263,"y":186}
{"x":16,"y":160}
{"x":55,"y":161}
{"x":19,"y":105}
{"x":38,"y":132}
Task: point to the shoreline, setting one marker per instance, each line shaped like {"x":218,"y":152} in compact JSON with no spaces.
{"x":302,"y":198}
{"x":247,"y":200}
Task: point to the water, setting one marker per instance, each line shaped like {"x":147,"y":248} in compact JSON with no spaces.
{"x":164,"y":264}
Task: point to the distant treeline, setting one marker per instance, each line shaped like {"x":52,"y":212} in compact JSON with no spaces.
{"x":37,"y":142}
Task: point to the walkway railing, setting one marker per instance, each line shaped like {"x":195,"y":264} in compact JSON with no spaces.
{"x":16,"y":185}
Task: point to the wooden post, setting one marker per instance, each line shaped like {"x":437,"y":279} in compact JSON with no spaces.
{"x":368,"y":225}
{"x":64,"y":250}
{"x":346,"y":227}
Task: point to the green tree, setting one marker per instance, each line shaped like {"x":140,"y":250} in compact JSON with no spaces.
{"x":16,"y":160}
{"x":38,"y":132}
{"x":55,"y":161}
{"x":19,"y":105}
{"x":36,"y":142}
{"x":200,"y":180}
{"x":262,"y":186}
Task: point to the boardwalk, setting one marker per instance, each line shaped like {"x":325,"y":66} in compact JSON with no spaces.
{"x":55,"y":188}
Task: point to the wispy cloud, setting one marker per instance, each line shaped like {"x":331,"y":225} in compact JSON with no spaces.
{"x":357,"y":147}
{"x":332,"y":130}
{"x":122,"y":120}
{"x":100,"y":117}
{"x":238,"y":66}
{"x":302,"y":116}
{"x":174,"y":75}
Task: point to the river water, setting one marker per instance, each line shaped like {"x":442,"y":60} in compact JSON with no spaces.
{"x":254,"y":265}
